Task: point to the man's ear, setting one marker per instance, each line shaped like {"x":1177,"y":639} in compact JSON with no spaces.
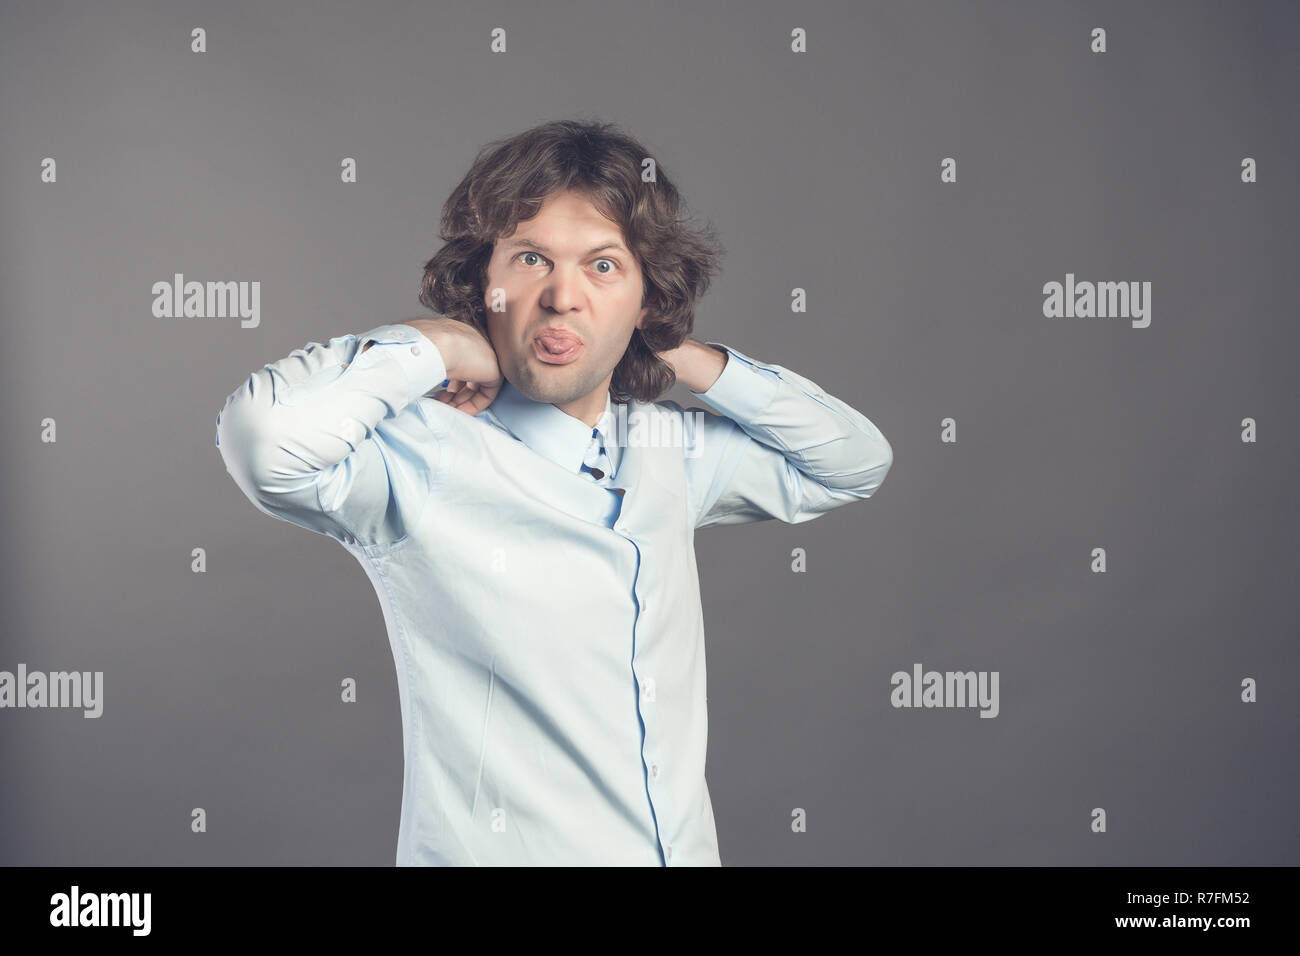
{"x":640,"y":320}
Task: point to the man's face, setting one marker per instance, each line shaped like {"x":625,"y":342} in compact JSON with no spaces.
{"x":565,"y":269}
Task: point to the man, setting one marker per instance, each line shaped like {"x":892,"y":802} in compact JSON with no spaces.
{"x":533,"y":557}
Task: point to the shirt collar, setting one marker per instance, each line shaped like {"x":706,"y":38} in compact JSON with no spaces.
{"x":553,"y":433}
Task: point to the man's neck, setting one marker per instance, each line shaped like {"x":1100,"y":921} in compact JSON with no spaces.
{"x":589,"y":408}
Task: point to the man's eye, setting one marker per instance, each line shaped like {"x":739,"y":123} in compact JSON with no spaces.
{"x":522,"y":254}
{"x":613,"y":265}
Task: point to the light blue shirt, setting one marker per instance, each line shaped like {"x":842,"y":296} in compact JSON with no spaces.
{"x":546,"y":626}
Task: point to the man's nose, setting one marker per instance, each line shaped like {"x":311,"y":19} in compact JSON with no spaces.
{"x":562,"y":290}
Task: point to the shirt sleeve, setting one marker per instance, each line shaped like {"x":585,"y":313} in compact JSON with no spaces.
{"x":332,"y":439}
{"x":782,"y":448}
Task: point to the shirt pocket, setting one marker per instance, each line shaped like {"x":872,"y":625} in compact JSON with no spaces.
{"x":666,"y":469}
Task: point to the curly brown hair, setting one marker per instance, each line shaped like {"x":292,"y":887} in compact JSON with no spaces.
{"x":509,"y":181}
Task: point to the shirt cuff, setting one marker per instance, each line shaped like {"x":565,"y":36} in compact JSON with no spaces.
{"x":744,"y":389}
{"x":417,"y":356}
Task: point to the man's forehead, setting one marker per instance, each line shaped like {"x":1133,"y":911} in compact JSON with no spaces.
{"x":566,"y":217}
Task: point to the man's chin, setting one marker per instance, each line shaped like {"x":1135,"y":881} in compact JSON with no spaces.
{"x":555,"y":384}
{"x":549,"y":384}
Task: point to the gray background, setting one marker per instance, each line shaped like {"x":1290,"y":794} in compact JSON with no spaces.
{"x":1119,"y":690}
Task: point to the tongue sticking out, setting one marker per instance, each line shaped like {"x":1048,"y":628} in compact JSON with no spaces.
{"x":557,"y":343}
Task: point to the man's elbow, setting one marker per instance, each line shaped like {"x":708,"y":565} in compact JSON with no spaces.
{"x":873,"y":473}
{"x":847,"y":488}
{"x":248,"y":446}
{"x":882,"y":468}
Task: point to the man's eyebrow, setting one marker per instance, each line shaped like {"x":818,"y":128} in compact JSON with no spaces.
{"x":530,"y":244}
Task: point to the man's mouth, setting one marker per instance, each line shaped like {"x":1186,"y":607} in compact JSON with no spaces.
{"x":555,"y":347}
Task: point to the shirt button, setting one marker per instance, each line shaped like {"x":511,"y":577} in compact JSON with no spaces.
{"x":654,"y":770}
{"x":415,"y":350}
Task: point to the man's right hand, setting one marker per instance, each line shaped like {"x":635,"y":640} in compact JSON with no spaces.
{"x":472,"y":368}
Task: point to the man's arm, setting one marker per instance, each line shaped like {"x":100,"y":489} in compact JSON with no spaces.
{"x":782,"y":448}
{"x":303,"y":441}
